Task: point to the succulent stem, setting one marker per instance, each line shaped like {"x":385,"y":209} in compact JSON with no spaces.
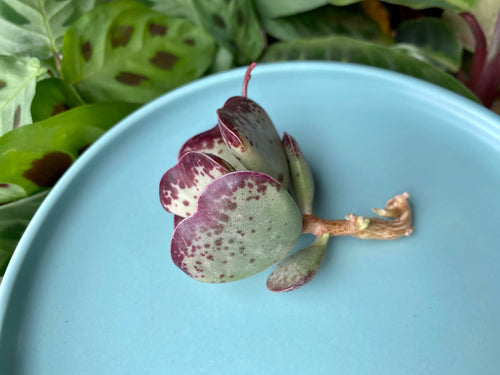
{"x":397,"y":209}
{"x":247,"y":78}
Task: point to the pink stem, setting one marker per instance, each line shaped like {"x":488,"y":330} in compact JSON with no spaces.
{"x":480,"y":51}
{"x":247,"y":78}
{"x":487,"y":85}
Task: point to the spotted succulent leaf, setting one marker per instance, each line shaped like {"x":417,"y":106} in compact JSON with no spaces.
{"x":33,"y":157}
{"x":245,"y":222}
{"x":251,"y":136}
{"x":53,"y":96}
{"x":124,"y":51}
{"x":300,"y":174}
{"x":299,"y":268}
{"x":181,"y":186}
{"x":36,"y":28}
{"x":211,"y":142}
{"x":17,"y":89}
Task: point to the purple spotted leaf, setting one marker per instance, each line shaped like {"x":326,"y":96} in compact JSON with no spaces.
{"x":211,"y":142}
{"x":124,"y":51}
{"x":181,"y":186}
{"x":300,"y":174}
{"x":251,"y":136}
{"x":299,"y":268}
{"x":245,"y":222}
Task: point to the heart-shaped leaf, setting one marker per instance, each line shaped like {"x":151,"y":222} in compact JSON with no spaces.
{"x":36,"y":28}
{"x":17,"y":89}
{"x":251,"y":136}
{"x":124,"y":51}
{"x":299,"y":268}
{"x":300,"y":174}
{"x":181,"y":186}
{"x":211,"y":142}
{"x":245,"y":222}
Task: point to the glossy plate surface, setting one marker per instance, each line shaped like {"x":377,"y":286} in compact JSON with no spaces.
{"x":91,"y":288}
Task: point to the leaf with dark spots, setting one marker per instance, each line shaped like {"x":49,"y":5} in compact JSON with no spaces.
{"x":299,"y":268}
{"x":86,"y":50}
{"x":136,"y":53}
{"x":120,"y":35}
{"x":33,"y":156}
{"x":53,"y":96}
{"x":46,"y":171}
{"x":218,"y":21}
{"x":211,"y":142}
{"x":156,"y":29}
{"x":164,"y":60}
{"x":130,"y":79}
{"x":235,"y":25}
{"x":18,"y":77}
{"x":300,"y":174}
{"x":181,"y":186}
{"x":247,"y":130}
{"x":240,"y":247}
{"x":17,"y":117}
{"x":36,"y":28}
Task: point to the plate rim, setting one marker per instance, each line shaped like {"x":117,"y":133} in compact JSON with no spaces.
{"x":485,"y":120}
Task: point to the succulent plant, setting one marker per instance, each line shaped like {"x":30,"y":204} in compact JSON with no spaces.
{"x":242,"y":197}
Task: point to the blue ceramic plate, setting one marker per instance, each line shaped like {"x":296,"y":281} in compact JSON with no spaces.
{"x":91,"y":288}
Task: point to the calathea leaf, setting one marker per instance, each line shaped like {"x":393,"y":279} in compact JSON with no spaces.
{"x":324,"y":21}
{"x":356,"y":51}
{"x":435,"y":38}
{"x":234,"y":24}
{"x":36,"y":28}
{"x":17,"y":88}
{"x":124,"y":51}
{"x":280,"y":8}
{"x":245,"y":222}
{"x":33,"y":157}
{"x":52,"y":97}
{"x":14,"y":218}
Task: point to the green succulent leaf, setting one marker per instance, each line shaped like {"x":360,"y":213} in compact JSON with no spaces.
{"x":124,"y":51}
{"x":234,"y":24}
{"x":245,"y":222}
{"x":280,"y":8}
{"x":17,"y":89}
{"x":52,"y":97}
{"x":299,"y":268}
{"x":33,"y":157}
{"x":435,"y":38}
{"x":36,"y":28}
{"x":355,"y":51}
{"x":14,"y":218}
{"x":251,"y":136}
{"x":324,"y":21}
{"x":300,"y":174}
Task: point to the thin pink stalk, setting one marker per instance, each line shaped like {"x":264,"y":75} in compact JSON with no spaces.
{"x":480,"y":52}
{"x":247,"y":78}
